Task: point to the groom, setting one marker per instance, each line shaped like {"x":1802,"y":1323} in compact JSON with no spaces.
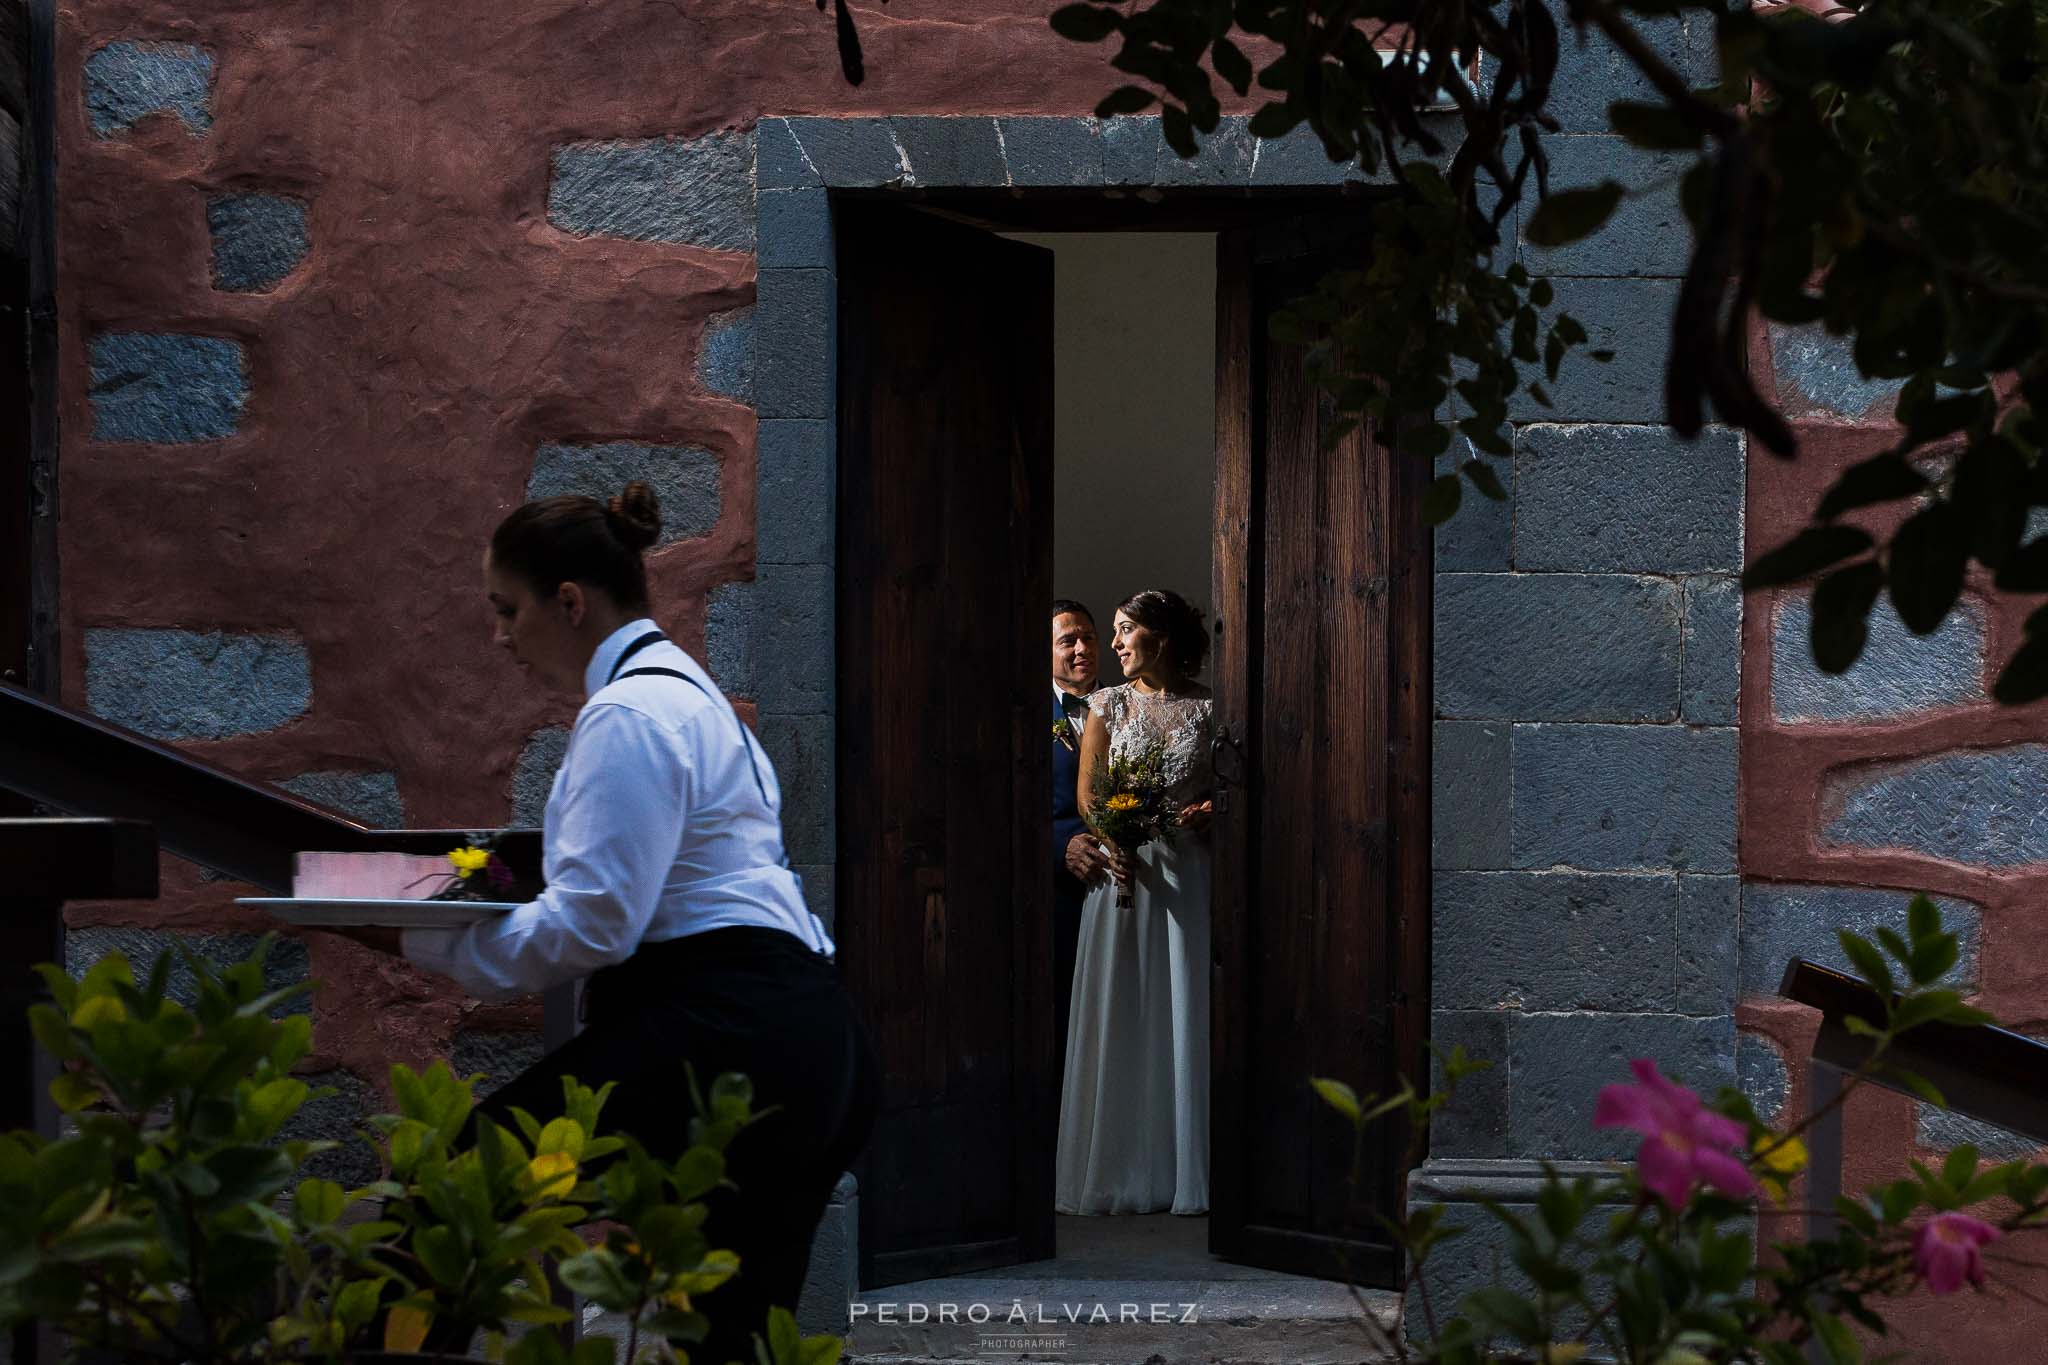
{"x":1077,"y":859}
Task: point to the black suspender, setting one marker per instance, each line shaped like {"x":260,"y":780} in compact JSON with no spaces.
{"x":746,"y":739}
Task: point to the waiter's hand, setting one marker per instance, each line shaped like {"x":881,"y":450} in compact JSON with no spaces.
{"x":1085,"y":858}
{"x":382,"y":937}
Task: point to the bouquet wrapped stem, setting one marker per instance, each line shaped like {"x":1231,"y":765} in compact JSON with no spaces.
{"x":1131,"y":808}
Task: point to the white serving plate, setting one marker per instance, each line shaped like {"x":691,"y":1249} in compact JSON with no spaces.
{"x":316,"y":912}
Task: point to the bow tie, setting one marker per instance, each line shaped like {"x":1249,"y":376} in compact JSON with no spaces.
{"x":1070,"y":703}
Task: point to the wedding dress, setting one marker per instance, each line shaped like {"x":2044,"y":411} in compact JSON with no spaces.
{"x":1134,"y":1101}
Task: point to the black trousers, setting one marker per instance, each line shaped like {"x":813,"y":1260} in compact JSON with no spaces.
{"x":752,"y":1000}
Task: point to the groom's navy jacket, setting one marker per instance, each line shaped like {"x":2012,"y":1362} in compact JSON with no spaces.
{"x":1067,"y":890}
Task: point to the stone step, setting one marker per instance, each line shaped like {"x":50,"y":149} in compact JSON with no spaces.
{"x":1269,"y":1320}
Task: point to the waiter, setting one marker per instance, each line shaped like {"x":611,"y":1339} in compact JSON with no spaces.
{"x":667,"y":886}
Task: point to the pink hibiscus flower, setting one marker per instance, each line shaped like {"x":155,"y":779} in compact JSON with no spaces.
{"x":1945,"y":1251}
{"x":1684,"y":1142}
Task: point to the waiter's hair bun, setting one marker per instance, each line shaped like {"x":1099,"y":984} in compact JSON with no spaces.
{"x":577,"y":539}
{"x":635,"y":515}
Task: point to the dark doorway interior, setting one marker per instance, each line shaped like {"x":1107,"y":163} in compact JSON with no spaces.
{"x":1322,"y":596}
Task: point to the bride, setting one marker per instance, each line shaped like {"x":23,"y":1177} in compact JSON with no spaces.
{"x":1134,"y":1105}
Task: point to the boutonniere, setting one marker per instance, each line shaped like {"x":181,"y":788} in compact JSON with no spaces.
{"x":1063,"y":731}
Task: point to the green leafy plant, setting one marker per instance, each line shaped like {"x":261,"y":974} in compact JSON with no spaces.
{"x":1658,"y":1265}
{"x":172,"y":1222}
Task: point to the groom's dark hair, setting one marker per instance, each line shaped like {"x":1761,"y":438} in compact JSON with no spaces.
{"x":1067,"y":606}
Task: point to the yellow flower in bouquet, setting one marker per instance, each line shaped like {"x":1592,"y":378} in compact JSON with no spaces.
{"x":469,"y":859}
{"x":1131,"y":806}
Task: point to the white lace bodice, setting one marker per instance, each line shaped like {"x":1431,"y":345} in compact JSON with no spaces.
{"x":1180,"y":723}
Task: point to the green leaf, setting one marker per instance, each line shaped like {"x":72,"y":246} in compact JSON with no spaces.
{"x":1484,"y":479}
{"x":1231,"y":64}
{"x":1869,"y":962}
{"x":318,"y":1202}
{"x":1658,"y":127}
{"x":1085,"y":23}
{"x":1179,"y":131}
{"x":598,"y":1276}
{"x":1807,"y":553}
{"x":1505,"y":1311}
{"x":1568,"y":215}
{"x":1125,"y":99}
{"x":1275,"y":120}
{"x":1440,"y":502}
{"x":1338,"y":1096}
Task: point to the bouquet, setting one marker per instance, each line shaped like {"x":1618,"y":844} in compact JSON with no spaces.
{"x":478,"y":874}
{"x":1131,"y":806}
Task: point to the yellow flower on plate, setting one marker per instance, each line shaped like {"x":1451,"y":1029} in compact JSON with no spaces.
{"x":1781,"y":1158}
{"x":1123,"y":801}
{"x":469,"y":859}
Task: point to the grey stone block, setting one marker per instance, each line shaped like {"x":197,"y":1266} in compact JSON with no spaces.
{"x":1223,"y":157}
{"x":696,"y":191}
{"x":685,"y":478}
{"x":1981,"y":807}
{"x":795,"y":229}
{"x":794,"y":495}
{"x":1709,"y":933}
{"x":1298,"y":159}
{"x":183,"y":684}
{"x":1475,"y":1122}
{"x":833,"y":1277}
{"x":800,"y":747}
{"x":1711,"y":685}
{"x":1817,"y":372}
{"x":1761,"y":1075}
{"x":368,"y":798}
{"x":1632,"y":318}
{"x":497,"y":1055}
{"x":779,"y":162}
{"x":1944,"y":1130}
{"x":339,"y":1118}
{"x":1592,"y":73}
{"x":1051,"y":151}
{"x":1781,"y":922}
{"x":1131,"y":149}
{"x":820,"y":882}
{"x":1647,"y":235}
{"x":1627,"y":499}
{"x":127,"y":81}
{"x":725,"y":355}
{"x":850,"y":153}
{"x":1558,"y":1062}
{"x":1897,"y":674}
{"x":729,"y":638}
{"x":1480,"y":537}
{"x":1470,"y":782}
{"x":943,"y":152}
{"x":793,"y":641}
{"x":1557,"y":647}
{"x":286,"y":964}
{"x":1553,"y":941}
{"x":1614,"y":797}
{"x":533,"y":777}
{"x":166,"y":387}
{"x":258,"y":239}
{"x":796,"y":316}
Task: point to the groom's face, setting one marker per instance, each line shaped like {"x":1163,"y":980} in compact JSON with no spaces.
{"x":1073,"y":651}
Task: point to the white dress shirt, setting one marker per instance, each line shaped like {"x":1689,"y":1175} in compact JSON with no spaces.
{"x":665,"y":820}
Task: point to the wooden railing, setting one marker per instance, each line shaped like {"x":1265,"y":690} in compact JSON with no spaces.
{"x":1982,"y":1071}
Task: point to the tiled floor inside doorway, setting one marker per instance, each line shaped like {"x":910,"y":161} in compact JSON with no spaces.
{"x":1139,"y":1288}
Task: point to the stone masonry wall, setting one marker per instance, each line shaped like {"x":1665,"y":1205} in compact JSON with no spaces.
{"x":1585,"y":896}
{"x":1898,"y":776}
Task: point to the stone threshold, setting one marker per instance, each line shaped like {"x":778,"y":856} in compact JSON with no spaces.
{"x":1138,"y":1289}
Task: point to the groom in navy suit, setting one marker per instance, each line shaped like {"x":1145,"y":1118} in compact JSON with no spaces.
{"x":1077,"y":859}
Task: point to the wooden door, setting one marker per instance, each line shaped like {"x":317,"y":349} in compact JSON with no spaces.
{"x":944,"y":887}
{"x":1322,"y":887}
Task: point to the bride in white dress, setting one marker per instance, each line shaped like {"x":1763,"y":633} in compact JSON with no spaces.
{"x":1134,"y":1103}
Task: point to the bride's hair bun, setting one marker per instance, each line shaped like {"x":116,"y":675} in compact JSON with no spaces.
{"x":1166,"y":613}
{"x":635,"y":516}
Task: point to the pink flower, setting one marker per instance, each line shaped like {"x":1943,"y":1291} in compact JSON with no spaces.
{"x":1945,"y":1251}
{"x":1684,"y":1142}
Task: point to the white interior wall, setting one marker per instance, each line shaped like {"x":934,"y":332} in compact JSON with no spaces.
{"x":1134,"y":416}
